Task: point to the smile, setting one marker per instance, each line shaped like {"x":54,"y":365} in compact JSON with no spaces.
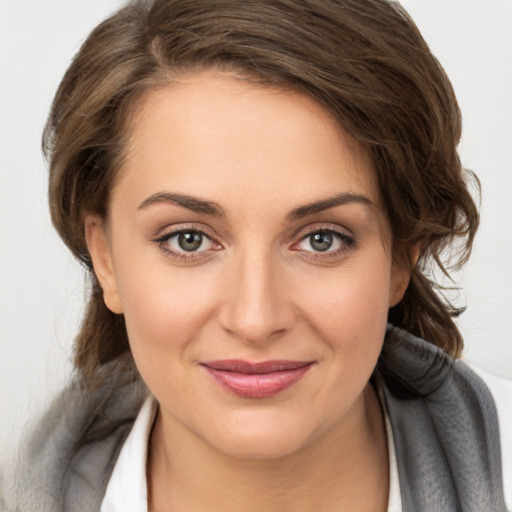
{"x":256,"y":380}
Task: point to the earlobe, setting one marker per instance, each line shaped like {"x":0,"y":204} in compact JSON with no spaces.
{"x":401,"y":276}
{"x":99,"y":249}
{"x":399,"y":283}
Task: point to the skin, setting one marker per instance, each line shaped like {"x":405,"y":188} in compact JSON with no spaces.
{"x":256,"y":289}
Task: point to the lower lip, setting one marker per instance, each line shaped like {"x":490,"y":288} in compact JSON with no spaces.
{"x":259,"y":385}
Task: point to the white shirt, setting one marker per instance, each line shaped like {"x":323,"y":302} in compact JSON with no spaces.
{"x":127,"y":489}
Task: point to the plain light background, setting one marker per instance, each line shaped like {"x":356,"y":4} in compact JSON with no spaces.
{"x":42,"y":288}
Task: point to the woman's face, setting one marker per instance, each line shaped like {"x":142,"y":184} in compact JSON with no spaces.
{"x":246,"y":228}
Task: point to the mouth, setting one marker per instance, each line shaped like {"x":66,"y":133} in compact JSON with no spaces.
{"x":256,"y":380}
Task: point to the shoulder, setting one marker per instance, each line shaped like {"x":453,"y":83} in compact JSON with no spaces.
{"x":65,"y":461}
{"x":445,"y":426}
{"x":501,"y":391}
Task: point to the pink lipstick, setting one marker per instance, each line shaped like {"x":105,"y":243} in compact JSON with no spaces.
{"x":256,"y":380}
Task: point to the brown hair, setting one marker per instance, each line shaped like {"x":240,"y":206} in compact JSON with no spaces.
{"x":363,"y":60}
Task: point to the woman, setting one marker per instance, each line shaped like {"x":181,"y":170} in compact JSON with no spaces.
{"x":258,"y":190}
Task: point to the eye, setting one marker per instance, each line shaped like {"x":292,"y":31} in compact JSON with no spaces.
{"x":186,"y":243}
{"x":321,"y":241}
{"x":189,"y":241}
{"x":326,"y":242}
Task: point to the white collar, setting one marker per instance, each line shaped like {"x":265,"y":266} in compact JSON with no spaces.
{"x":127,"y":489}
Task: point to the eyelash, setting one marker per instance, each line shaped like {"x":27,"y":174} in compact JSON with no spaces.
{"x":163,"y":243}
{"x":347,"y":243}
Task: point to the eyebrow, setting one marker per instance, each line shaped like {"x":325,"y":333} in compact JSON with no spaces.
{"x":190,"y":202}
{"x":324,"y":204}
{"x":211,"y":208}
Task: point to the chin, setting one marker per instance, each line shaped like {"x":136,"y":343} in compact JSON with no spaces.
{"x":260,"y":447}
{"x":260,"y":439}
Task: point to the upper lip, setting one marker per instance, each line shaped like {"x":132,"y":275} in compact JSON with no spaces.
{"x":254,"y":368}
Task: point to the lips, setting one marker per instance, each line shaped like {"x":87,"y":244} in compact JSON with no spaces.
{"x":256,"y":380}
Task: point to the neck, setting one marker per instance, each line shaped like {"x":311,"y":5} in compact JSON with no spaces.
{"x":344,"y":469}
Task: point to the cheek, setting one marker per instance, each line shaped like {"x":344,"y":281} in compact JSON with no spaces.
{"x":165,"y":308}
{"x":349,"y":309}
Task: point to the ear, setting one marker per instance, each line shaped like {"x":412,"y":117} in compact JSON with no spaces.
{"x":97,"y":240}
{"x":401,"y":276}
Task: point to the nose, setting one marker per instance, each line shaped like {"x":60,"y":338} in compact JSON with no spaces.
{"x":256,"y":306}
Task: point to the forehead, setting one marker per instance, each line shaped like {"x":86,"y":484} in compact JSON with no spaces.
{"x":211,"y":135}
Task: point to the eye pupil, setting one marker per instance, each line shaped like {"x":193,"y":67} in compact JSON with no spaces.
{"x":321,"y":241}
{"x":190,"y":241}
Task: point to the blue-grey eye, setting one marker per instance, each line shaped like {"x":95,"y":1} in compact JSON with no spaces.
{"x":321,"y":241}
{"x":187,"y":244}
{"x":190,"y":241}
